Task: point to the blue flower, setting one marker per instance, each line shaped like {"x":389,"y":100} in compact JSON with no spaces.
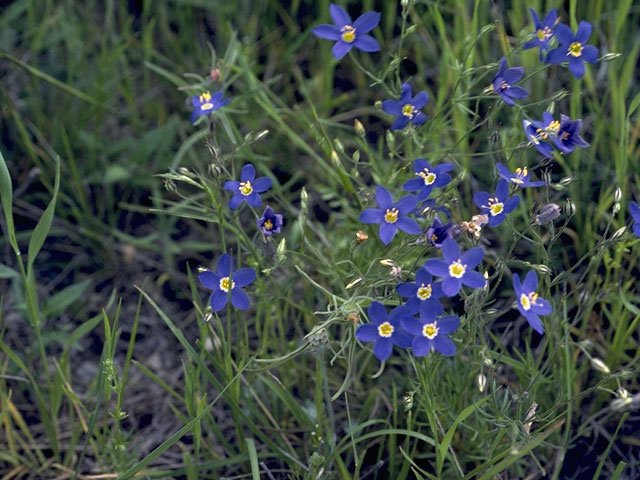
{"x":503,"y":83}
{"x":205,"y":103}
{"x":248,"y":188}
{"x":407,"y":109}
{"x":392,"y":216}
{"x":422,"y":294}
{"x":538,"y":132}
{"x":384,"y":330}
{"x":498,"y":205}
{"x":430,"y":333}
{"x":270,"y":222}
{"x":567,"y":138}
{"x":457,"y":268}
{"x":635,"y":214}
{"x":347,"y":34}
{"x":543,"y":32}
{"x":438,"y":233}
{"x":529,"y":303}
{"x":226,"y":279}
{"x":428,"y":178}
{"x":520,"y":177}
{"x":573,"y":49}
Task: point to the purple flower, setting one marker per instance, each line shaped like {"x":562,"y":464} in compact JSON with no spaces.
{"x":497,"y":206}
{"x":519,"y":177}
{"x":438,"y":233}
{"x":504,"y":80}
{"x":407,"y":109}
{"x":205,"y":103}
{"x":529,"y":303}
{"x":270,"y":222}
{"x":635,"y":214}
{"x":226,"y":279}
{"x":430,"y":333}
{"x":392,"y":216}
{"x":347,"y":34}
{"x":567,"y":138}
{"x":543,"y":32}
{"x":422,"y":294}
{"x":573,"y":49}
{"x":248,"y":188}
{"x":384,"y":330}
{"x":457,"y":268}
{"x":538,"y":132}
{"x":428,"y":178}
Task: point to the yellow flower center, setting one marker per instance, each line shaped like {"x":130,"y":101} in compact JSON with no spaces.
{"x":385,"y":329}
{"x":553,"y":127}
{"x":408,"y":110}
{"x":496,"y":208}
{"x":504,"y":85}
{"x":206,"y":106}
{"x":348,"y":33}
{"x":226,"y":283}
{"x":575,"y":49}
{"x":424,"y":292}
{"x":527,"y":300}
{"x":430,"y":330}
{"x":427,"y":176}
{"x":456,"y":269}
{"x":268,"y":225}
{"x":520,"y":174}
{"x":246,"y":188}
{"x":543,"y":33}
{"x":391,"y":215}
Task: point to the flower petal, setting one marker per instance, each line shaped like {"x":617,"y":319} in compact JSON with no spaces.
{"x":517,"y":286}
{"x":372,"y":215}
{"x":219,"y":300}
{"x":383,"y":348}
{"x":405,"y":94}
{"x":328,"y":32}
{"x":444,"y":345}
{"x":339,"y":16}
{"x":236,"y":200}
{"x":387,"y":232}
{"x":239,"y":299}
{"x":448,"y":324}
{"x":535,"y":322}
{"x":384,"y":198}
{"x":451,"y":250}
{"x":413,"y":184}
{"x":422,"y":276}
{"x":564,"y":34}
{"x":409,"y":225}
{"x":451,"y":286}
{"x":401,"y":338}
{"x":557,"y":56}
{"x":473,"y":279}
{"x":512,"y":75}
{"x":481,"y":199}
{"x":254,"y":200}
{"x":576,"y":67}
{"x":502,"y":170}
{"x":421,"y":346}
{"x":536,"y":19}
{"x":377,"y":313}
{"x":636,"y":229}
{"x":406,"y":290}
{"x":530,"y":283}
{"x":437,"y":267}
{"x":248,"y":173}
{"x":517,"y":92}
{"x":366,"y":43}
{"x":340,"y":49}
{"x":541,"y":307}
{"x":419,"y":119}
{"x":367,"y":333}
{"x":366,"y":22}
{"x":243,"y":276}
{"x":590,"y":54}
{"x":262,"y":184}
{"x":406,"y":204}
{"x":512,"y":203}
{"x":209,"y":280}
{"x":411,"y":325}
{"x":472,"y":257}
{"x":502,"y":190}
{"x":392,"y":107}
{"x":231,"y":185}
{"x":584,"y":32}
{"x":225,"y":265}
{"x":634,"y":209}
{"x":400,"y":123}
{"x":420,"y":100}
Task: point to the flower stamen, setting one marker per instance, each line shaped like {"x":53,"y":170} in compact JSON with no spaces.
{"x":246,"y":188}
{"x":226,"y":284}
{"x":424,"y":292}
{"x":391,"y":215}
{"x":427,"y":176}
{"x":575,"y":49}
{"x":348,"y":33}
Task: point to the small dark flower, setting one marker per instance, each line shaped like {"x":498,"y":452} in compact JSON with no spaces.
{"x":384,"y":330}
{"x":548,"y":213}
{"x":529,"y":303}
{"x":248,"y":188}
{"x":226,"y":279}
{"x":205,"y":103}
{"x":438,"y":233}
{"x":635,"y":214}
{"x":422,"y":294}
{"x":519,"y":177}
{"x":428,"y":178}
{"x":543,"y":32}
{"x":573,"y":49}
{"x":407,"y":109}
{"x":456,"y":268}
{"x":349,"y":34}
{"x":497,"y":206}
{"x":392,"y":216}
{"x":568,"y":137}
{"x":270,"y":222}
{"x":503,"y":83}
{"x":430,"y":333}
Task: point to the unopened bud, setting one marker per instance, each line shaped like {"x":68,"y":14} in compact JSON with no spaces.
{"x":361,"y":236}
{"x":354,"y":283}
{"x":170,"y":186}
{"x":214,"y":170}
{"x":304,"y":198}
{"x":391,"y":140}
{"x":616,"y":207}
{"x":387,"y":262}
{"x":185,"y":171}
{"x":396,"y":271}
{"x":599,"y":365}
{"x":481,"y":382}
{"x":607,"y":57}
{"x":282,"y":247}
{"x":207,"y":318}
{"x":566,"y":181}
{"x":410,"y":30}
{"x":334,"y":157}
{"x":338,"y":145}
{"x":359,"y":128}
{"x":618,"y":233}
{"x":547,"y":213}
{"x":262,"y":134}
{"x":569,"y":208}
{"x":356,"y":156}
{"x":617,"y":195}
{"x":543,"y":269}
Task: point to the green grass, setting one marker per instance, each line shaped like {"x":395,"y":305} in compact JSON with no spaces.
{"x":112,"y":199}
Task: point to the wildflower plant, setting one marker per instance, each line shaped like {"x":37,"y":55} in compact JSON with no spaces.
{"x":392,"y":216}
{"x":407,"y":108}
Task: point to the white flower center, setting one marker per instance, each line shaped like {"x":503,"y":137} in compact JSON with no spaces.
{"x":385,"y":329}
{"x":456,"y":269}
{"x":430,"y":330}
{"x":225,"y":283}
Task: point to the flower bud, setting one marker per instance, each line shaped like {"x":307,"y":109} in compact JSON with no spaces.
{"x":618,"y":233}
{"x":543,"y":269}
{"x":356,"y":156}
{"x":334,"y":157}
{"x":481,"y":382}
{"x":339,"y":146}
{"x":359,"y":128}
{"x":353,"y":283}
{"x":170,"y":186}
{"x":617,"y":195}
{"x":361,"y":236}
{"x":387,"y":262}
{"x":569,"y":208}
{"x":547,"y":213}
{"x":566,"y":181}
{"x":599,"y":365}
{"x":607,"y":57}
{"x":396,"y":271}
